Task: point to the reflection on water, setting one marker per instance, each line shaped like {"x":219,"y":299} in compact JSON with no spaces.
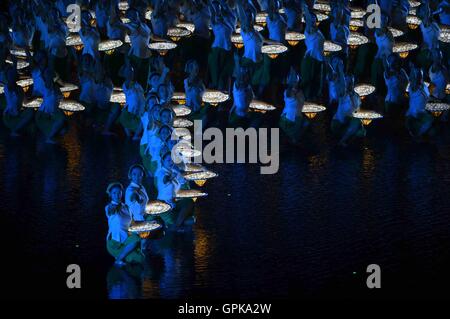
{"x":72,"y":147}
{"x":368,"y":163}
{"x":123,"y":282}
{"x":166,"y":274}
{"x":308,"y":231}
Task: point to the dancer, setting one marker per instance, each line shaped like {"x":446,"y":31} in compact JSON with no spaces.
{"x":242,"y":96}
{"x":344,"y":125}
{"x":336,"y":81}
{"x":194,"y":89}
{"x":139,"y":53}
{"x":130,"y":117}
{"x":311,"y":65}
{"x":439,"y":78}
{"x":430,"y":35}
{"x":418,"y":120}
{"x":50,"y":118}
{"x":168,"y":180}
{"x":385,"y":43}
{"x":292,"y":121}
{"x":123,"y":247}
{"x":220,"y":59}
{"x":136,"y":197}
{"x":257,"y":64}
{"x":14,"y":118}
{"x":105,"y":112}
{"x":396,"y":81}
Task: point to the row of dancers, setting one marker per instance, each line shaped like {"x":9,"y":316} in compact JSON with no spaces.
{"x":131,"y":87}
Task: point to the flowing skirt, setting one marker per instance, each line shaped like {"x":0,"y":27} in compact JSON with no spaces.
{"x":101,"y":115}
{"x":220,"y":65}
{"x":171,"y":217}
{"x":364,"y":58}
{"x":129,"y":121}
{"x":150,"y":165}
{"x":115,"y":248}
{"x":311,"y":72}
{"x":424,"y":59}
{"x":377,"y":76}
{"x":201,"y":113}
{"x":259,"y":71}
{"x":141,"y":69}
{"x":293,"y":130}
{"x":339,"y":129}
{"x":235,"y":120}
{"x":113,"y":63}
{"x":12,"y":122}
{"x":415,"y":124}
{"x":394,"y":110}
{"x":45,"y":122}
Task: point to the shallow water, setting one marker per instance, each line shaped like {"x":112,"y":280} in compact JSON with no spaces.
{"x":308,"y":231}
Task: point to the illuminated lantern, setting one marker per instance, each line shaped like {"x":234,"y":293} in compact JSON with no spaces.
{"x":320,"y":17}
{"x":257,"y":28}
{"x":355,"y":40}
{"x":261,"y":18}
{"x":21,"y":64}
{"x":395,"y":32}
{"x":403,"y":48}
{"x":414,"y":4}
{"x":329,"y":47}
{"x":366,"y":117}
{"x":162,"y":47}
{"x":123,"y":5}
{"x":355,"y":24}
{"x":186,"y":150}
{"x":190,"y":193}
{"x":67,"y":89}
{"x":183,"y":123}
{"x":357,"y":13}
{"x":444,"y":36}
{"x":144,"y":229}
{"x":293,"y":38}
{"x":118,"y":97}
{"x":177,"y":33}
{"x":260,"y":106}
{"x":188,"y":26}
{"x":182,"y":132}
{"x":237,"y":41}
{"x":69,"y":107}
{"x":181,"y":110}
{"x":364,"y":90}
{"x":25,"y":84}
{"x":311,"y":109}
{"x":74,"y":40}
{"x":213,"y":97}
{"x":33,"y":104}
{"x":437,"y":108}
{"x":322,"y":6}
{"x":179,"y":97}
{"x":200,"y":178}
{"x":157,"y":207}
{"x":193,"y":168}
{"x":273,"y":50}
{"x":413,"y":22}
{"x":109,"y":46}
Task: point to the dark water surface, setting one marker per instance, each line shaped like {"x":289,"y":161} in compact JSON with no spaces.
{"x":307,"y":232}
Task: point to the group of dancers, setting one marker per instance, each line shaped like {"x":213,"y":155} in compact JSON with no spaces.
{"x":45,"y":55}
